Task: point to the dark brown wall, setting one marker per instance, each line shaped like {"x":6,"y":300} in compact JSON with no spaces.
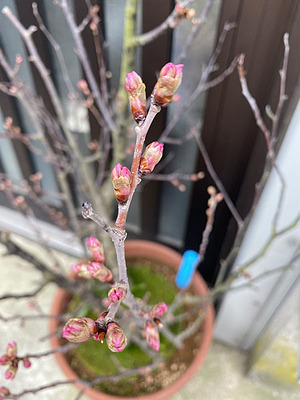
{"x":234,"y":143}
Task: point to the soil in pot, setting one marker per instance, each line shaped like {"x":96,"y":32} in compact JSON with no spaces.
{"x":91,"y":359}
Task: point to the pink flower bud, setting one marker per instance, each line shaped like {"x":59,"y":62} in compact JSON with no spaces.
{"x":169,"y":80}
{"x":81,"y":270}
{"x":115,"y":337}
{"x":136,"y":91}
{"x":95,"y":246}
{"x":3,"y":392}
{"x":11,"y":350}
{"x":101,"y":327}
{"x":92,"y":242}
{"x":93,"y":270}
{"x":158,"y":310}
{"x":26,"y":362}
{"x":121,"y":180}
{"x":152,"y":155}
{"x":79,"y":330}
{"x":10,"y":373}
{"x":152,"y":336}
{"x":117,"y":293}
{"x":19,"y":59}
{"x":100,"y":272}
{"x":4,"y":360}
{"x":82,"y":85}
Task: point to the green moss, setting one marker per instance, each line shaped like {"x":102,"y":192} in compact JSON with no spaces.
{"x":146,"y":280}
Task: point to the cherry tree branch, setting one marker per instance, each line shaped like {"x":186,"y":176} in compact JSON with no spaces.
{"x":170,"y":23}
{"x":141,"y":132}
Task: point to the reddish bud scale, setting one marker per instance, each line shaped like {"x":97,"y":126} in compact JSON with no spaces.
{"x":101,"y":328}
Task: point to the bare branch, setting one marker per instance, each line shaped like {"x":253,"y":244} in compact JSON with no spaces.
{"x":82,"y":55}
{"x":282,"y":94}
{"x":33,"y":293}
{"x":216,"y":179}
{"x":203,"y":83}
{"x":197,"y":25}
{"x":57,"y":49}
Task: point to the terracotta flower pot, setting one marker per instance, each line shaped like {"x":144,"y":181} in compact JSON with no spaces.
{"x":152,"y":252}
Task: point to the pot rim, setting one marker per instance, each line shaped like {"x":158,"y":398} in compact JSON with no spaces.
{"x":155,"y":252}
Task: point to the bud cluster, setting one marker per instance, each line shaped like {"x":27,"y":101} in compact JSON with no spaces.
{"x":11,"y":359}
{"x":213,"y":200}
{"x":95,"y":268}
{"x":79,"y":330}
{"x":184,"y":12}
{"x":169,"y":79}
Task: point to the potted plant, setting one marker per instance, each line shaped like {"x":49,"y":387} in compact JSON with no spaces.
{"x":109,"y":306}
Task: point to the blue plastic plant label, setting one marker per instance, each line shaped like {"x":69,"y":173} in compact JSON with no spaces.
{"x":189,"y":262}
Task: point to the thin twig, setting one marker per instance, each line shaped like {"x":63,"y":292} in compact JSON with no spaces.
{"x":170,"y":23}
{"x":282,"y":94}
{"x":26,"y":35}
{"x":216,"y":178}
{"x":33,"y":293}
{"x":197,"y":25}
{"x":203,"y":82}
{"x":57,"y":49}
{"x":84,"y":59}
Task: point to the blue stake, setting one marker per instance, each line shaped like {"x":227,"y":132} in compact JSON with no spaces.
{"x":189,"y":262}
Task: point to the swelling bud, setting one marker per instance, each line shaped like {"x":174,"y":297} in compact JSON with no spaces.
{"x":152,"y":155}
{"x":136,"y":91}
{"x":168,"y":82}
{"x":121,"y":180}
{"x":79,"y":330}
